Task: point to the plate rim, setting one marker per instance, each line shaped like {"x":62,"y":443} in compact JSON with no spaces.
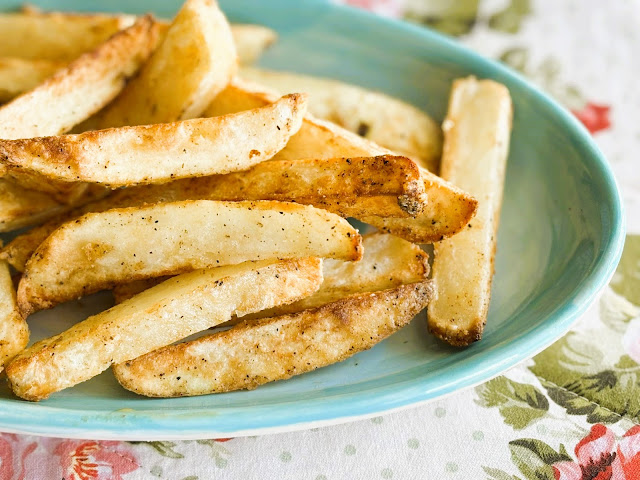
{"x":21,"y":417}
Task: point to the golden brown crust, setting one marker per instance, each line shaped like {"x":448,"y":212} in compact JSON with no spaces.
{"x":385,"y":120}
{"x":160,"y":316}
{"x":159,"y":153}
{"x":199,"y":45}
{"x":80,"y":89}
{"x":477,"y":130}
{"x":14,"y":332}
{"x":100,"y":250}
{"x":56,"y":36}
{"x":366,"y":185}
{"x":260,"y":351}
{"x":447,"y":211}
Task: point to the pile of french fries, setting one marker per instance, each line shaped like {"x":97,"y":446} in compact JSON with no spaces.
{"x":149,"y":158}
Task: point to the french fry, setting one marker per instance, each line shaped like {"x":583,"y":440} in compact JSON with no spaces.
{"x":447,"y":211}
{"x":387,"y":262}
{"x":77,"y":91}
{"x":173,"y":310}
{"x":477,"y":130}
{"x":315,"y":139}
{"x":450,"y":209}
{"x":195,"y":60}
{"x":251,"y":41}
{"x":389,"y":122}
{"x":18,"y":75}
{"x":348,"y":187}
{"x":56,"y":36}
{"x":36,"y":26}
{"x":260,"y":351}
{"x":20,"y":207}
{"x":100,"y":250}
{"x":159,"y":153}
{"x":14,"y":332}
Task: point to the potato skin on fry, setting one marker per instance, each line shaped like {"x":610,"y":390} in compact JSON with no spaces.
{"x":347,"y":187}
{"x":100,"y":250}
{"x":56,"y":36}
{"x":14,"y":332}
{"x":173,"y":310}
{"x":18,"y":76}
{"x":448,"y":208}
{"x":159,"y":153}
{"x":260,"y":351}
{"x":195,"y":60}
{"x":447,"y":211}
{"x":77,"y":91}
{"x":389,"y":122}
{"x":477,"y":131}
{"x":387,"y":262}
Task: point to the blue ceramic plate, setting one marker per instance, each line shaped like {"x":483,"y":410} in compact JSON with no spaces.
{"x":560,"y":240}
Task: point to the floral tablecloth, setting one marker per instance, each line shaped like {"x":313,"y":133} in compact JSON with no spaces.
{"x":570,"y":413}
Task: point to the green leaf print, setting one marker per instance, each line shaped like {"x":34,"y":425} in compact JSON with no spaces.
{"x":627,"y":363}
{"x":218,"y":452}
{"x":616,"y":311}
{"x":510,"y":19}
{"x":517,"y":58}
{"x":626,"y":280}
{"x":577,"y":405}
{"x":165,"y":449}
{"x":519,"y":404}
{"x":579,"y":367}
{"x":497,"y":474}
{"x":447,"y":16}
{"x":534,"y":458}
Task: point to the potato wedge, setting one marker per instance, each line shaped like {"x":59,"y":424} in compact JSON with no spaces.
{"x":388,"y":185}
{"x":56,"y":36}
{"x":383,"y":185}
{"x":159,"y":153}
{"x":86,"y":85}
{"x":14,"y":332}
{"x":250,"y":40}
{"x":100,"y":250}
{"x":173,"y":310}
{"x":451,"y":208}
{"x":387,"y":262}
{"x":477,"y":130}
{"x":315,"y":139}
{"x":199,"y":46}
{"x":18,"y":75}
{"x":447,"y":211}
{"x":260,"y":351}
{"x":20,"y":207}
{"x":389,"y":122}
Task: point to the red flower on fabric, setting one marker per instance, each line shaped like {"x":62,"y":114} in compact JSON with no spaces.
{"x":13,"y":453}
{"x":595,"y":117}
{"x":223,"y":439}
{"x":85,"y":460}
{"x":599,"y":459}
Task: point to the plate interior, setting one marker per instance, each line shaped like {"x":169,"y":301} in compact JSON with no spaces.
{"x":558,"y":243}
